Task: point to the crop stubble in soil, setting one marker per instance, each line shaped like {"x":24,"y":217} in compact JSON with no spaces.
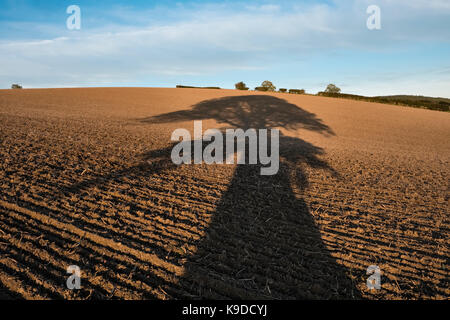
{"x":86,"y":180}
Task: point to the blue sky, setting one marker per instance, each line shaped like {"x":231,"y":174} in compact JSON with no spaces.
{"x":294,"y":44}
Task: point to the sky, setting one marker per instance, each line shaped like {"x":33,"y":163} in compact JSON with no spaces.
{"x":295,"y":44}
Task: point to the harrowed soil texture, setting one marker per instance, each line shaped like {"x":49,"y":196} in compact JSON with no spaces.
{"x":86,"y":179}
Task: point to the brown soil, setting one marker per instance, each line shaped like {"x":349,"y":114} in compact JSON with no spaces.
{"x":86,"y":180}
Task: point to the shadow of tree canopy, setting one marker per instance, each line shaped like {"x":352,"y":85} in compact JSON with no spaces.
{"x":262,"y":241}
{"x":256,"y":111}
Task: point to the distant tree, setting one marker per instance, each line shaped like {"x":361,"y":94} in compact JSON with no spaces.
{"x":269,"y":85}
{"x":297,"y":91}
{"x":283,"y":90}
{"x":261,"y":88}
{"x":16,"y":86}
{"x":241,"y":86}
{"x":331,"y":88}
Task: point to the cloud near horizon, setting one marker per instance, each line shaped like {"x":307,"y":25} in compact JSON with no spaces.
{"x":301,"y":45}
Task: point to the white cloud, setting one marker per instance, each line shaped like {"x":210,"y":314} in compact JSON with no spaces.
{"x":212,"y":39}
{"x":422,"y":4}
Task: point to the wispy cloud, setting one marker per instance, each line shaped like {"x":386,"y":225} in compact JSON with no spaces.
{"x":211,"y":39}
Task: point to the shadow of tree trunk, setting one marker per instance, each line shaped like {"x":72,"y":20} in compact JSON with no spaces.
{"x":263,"y":243}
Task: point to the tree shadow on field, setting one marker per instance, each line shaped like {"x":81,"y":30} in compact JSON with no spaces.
{"x":262,"y":241}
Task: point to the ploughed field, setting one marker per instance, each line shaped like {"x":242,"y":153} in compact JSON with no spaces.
{"x":86,"y":179}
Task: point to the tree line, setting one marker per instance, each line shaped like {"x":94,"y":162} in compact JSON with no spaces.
{"x":269,"y":87}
